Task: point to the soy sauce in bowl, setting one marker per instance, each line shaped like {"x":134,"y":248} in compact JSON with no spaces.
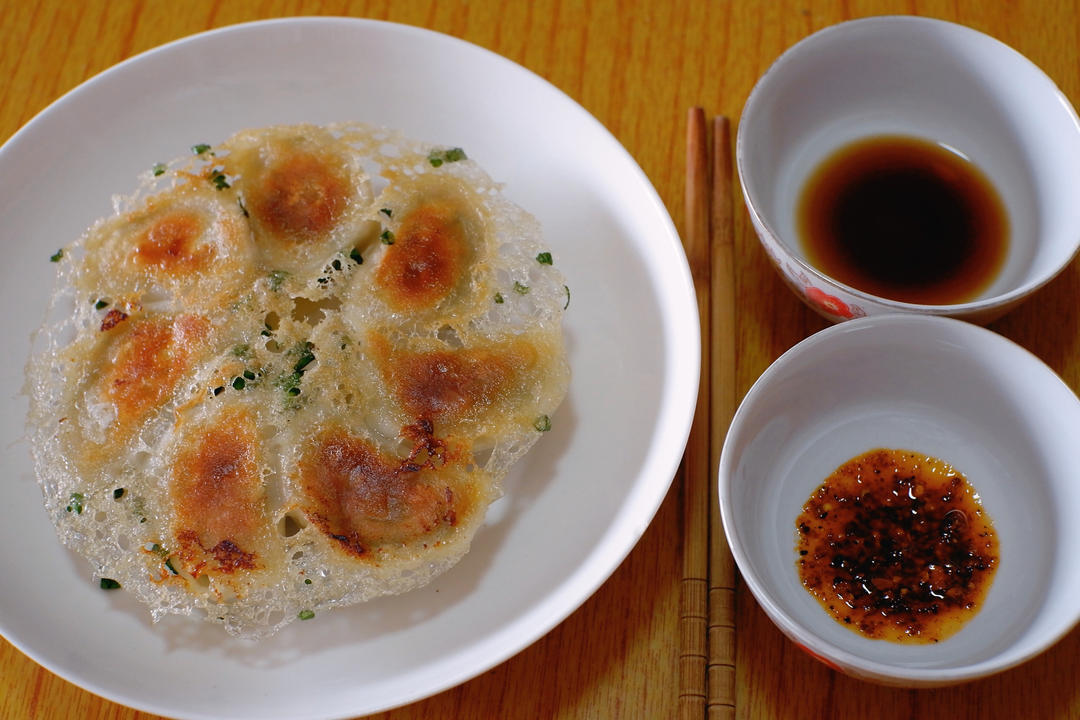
{"x":905,"y":219}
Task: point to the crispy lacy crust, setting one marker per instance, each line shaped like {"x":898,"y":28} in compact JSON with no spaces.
{"x":291,"y":373}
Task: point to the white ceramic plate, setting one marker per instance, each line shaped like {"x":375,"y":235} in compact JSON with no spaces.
{"x":573,"y":508}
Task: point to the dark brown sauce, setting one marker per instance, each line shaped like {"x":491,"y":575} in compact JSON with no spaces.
{"x":905,"y":219}
{"x":896,"y":546}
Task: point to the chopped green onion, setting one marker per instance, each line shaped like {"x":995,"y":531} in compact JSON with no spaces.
{"x":544,"y":258}
{"x":55,"y":257}
{"x":238,"y":383}
{"x":438,"y":157}
{"x":118,"y":493}
{"x":499,"y":298}
{"x":164,"y":555}
{"x":218,"y":178}
{"x":387,"y":212}
{"x":277,"y":277}
{"x":75,"y":503}
{"x":336,"y":264}
{"x":305,"y":614}
{"x":248,"y":375}
{"x":109,"y":584}
{"x":158,"y":169}
{"x":101,"y":305}
{"x":218,"y":390}
{"x":567,"y":289}
{"x":356,"y":257}
{"x":200,"y":148}
{"x":306,"y":356}
{"x":521,"y":289}
{"x":307,"y":581}
{"x":290,"y":385}
{"x":387,"y":237}
{"x":542,"y":423}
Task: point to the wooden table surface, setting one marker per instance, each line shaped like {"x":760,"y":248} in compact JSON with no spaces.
{"x":637,"y":65}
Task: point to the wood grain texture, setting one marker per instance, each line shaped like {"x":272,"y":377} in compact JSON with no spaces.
{"x":637,"y":65}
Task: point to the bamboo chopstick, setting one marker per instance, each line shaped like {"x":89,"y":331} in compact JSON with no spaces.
{"x":720,"y":701}
{"x":707,"y":617}
{"x":693,"y":628}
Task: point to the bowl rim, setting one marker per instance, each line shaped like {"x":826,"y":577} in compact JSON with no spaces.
{"x":826,"y":34}
{"x":823,"y":650}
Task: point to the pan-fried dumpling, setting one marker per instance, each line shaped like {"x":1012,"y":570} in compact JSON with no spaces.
{"x":123,"y":378}
{"x":305,"y":193}
{"x":295,"y":376}
{"x":188,"y":246}
{"x":490,"y":391}
{"x":221,"y":528}
{"x":374,"y":503}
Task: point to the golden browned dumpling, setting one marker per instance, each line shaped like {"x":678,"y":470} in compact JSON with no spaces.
{"x":291,"y":373}
{"x":146,"y":359}
{"x":221,"y":526}
{"x":428,"y":255}
{"x":304,"y":191}
{"x":188,"y":246}
{"x":372,"y":502}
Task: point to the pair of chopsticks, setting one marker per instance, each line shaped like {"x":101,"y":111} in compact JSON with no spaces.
{"x":707,"y":612}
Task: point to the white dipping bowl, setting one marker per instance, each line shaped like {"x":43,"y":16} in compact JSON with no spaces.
{"x":938,"y":386}
{"x":929,"y":79}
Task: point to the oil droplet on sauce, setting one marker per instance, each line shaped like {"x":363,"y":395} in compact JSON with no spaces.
{"x":896,"y":545}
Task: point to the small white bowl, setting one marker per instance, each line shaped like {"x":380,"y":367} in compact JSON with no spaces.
{"x":929,"y":79}
{"x":938,"y":386}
